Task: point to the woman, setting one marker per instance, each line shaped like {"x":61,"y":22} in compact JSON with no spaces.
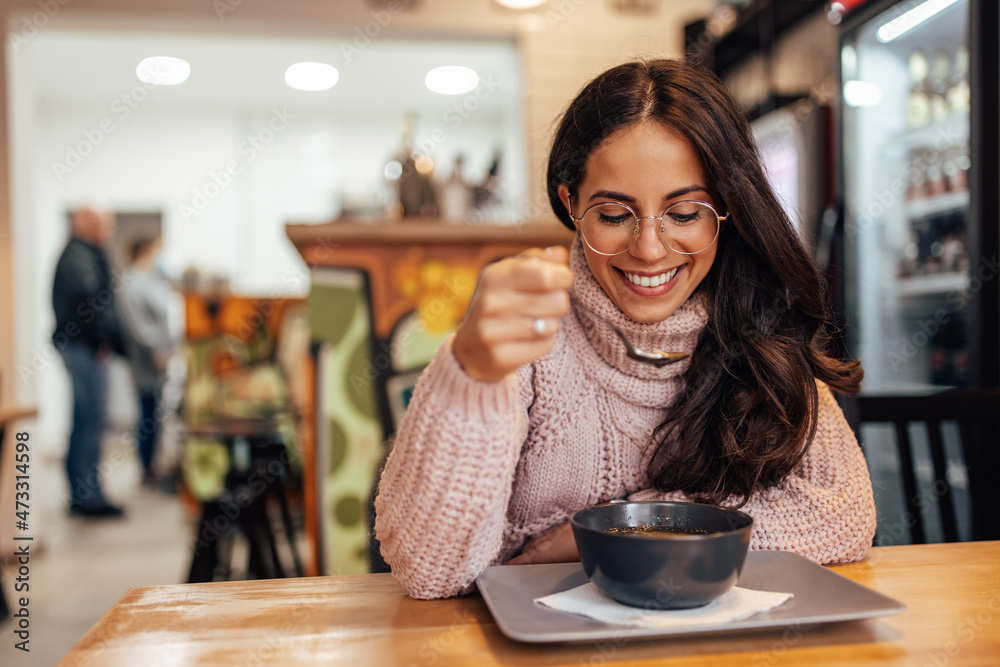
{"x":145,"y":309}
{"x":533,"y":411}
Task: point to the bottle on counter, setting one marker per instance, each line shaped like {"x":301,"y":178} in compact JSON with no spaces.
{"x":412,"y":175}
{"x":456,"y":197}
{"x":486,"y":194}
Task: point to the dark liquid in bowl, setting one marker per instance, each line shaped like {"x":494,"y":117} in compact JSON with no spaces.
{"x":659,"y":531}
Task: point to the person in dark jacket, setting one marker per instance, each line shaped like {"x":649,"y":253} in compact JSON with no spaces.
{"x":87,"y":332}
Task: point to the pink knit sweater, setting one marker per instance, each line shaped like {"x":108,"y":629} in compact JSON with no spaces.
{"x":478,"y":468}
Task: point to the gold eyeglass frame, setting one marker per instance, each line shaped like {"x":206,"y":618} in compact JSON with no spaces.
{"x":637,"y":232}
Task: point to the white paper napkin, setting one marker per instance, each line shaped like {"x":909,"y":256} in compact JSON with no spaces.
{"x":734,"y":605}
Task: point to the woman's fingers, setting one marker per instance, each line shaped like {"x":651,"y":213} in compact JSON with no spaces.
{"x":517,"y":329}
{"x":514,"y":314}
{"x":511,"y":303}
{"x":555,"y":253}
{"x":529,"y":273}
{"x":490,"y":363}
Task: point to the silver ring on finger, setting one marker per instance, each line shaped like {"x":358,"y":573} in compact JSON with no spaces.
{"x":539,"y":326}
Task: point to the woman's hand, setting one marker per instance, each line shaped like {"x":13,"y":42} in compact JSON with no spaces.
{"x":501,"y":329}
{"x":555,"y":545}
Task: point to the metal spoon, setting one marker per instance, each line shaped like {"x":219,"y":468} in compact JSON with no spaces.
{"x":654,"y":357}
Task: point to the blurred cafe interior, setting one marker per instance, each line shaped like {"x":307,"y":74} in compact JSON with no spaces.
{"x":329,"y":178}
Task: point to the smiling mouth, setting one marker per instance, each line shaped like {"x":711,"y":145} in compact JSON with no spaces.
{"x":651,"y":281}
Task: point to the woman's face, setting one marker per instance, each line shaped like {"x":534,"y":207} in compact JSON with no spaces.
{"x":647,"y":166}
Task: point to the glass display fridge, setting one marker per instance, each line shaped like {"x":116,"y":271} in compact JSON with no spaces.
{"x":919,"y":182}
{"x":918,"y":234}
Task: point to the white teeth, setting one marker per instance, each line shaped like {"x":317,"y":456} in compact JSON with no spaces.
{"x":652,"y":281}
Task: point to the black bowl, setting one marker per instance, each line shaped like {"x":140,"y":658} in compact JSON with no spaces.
{"x":658,"y":569}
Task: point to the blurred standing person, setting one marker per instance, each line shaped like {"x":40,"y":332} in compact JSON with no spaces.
{"x":87,"y":331}
{"x":144,"y":306}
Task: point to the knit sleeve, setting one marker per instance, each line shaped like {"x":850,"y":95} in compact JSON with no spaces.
{"x":824,"y":510}
{"x":442,"y":502}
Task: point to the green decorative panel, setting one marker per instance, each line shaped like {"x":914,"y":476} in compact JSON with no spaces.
{"x":328,"y":323}
{"x":413,"y":346}
{"x":349,"y":438}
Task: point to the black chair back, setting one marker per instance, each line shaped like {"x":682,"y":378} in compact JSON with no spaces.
{"x":977,"y":413}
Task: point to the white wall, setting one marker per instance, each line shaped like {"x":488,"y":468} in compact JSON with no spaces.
{"x":156,"y":159}
{"x":226,"y":182}
{"x":225,"y":186}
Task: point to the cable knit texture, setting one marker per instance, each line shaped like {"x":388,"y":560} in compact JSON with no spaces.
{"x":478,"y":468}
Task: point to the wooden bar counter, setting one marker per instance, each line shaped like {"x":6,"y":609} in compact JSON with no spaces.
{"x":382,"y":297}
{"x":379,"y":248}
{"x":952,"y":594}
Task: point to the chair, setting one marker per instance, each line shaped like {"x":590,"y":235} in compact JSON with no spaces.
{"x":240,"y":435}
{"x":258,"y":466}
{"x":977,"y":413}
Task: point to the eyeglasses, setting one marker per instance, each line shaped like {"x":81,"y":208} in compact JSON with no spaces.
{"x":686,"y":227}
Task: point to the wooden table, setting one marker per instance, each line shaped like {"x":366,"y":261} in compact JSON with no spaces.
{"x":952,"y":593}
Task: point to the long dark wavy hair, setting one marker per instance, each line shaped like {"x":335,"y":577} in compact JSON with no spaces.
{"x":748,"y":411}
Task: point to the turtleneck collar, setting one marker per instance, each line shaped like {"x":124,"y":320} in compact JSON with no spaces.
{"x":679,"y":332}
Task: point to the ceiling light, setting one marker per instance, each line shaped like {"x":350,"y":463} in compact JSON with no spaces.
{"x":861,"y":94}
{"x":311,"y":76}
{"x":520,"y":4}
{"x":451,"y":80}
{"x":163,"y":70}
{"x":911,"y":19}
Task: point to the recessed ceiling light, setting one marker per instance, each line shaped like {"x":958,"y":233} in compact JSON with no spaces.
{"x":451,"y":80}
{"x":312,"y":76}
{"x":163,"y":70}
{"x":520,"y":4}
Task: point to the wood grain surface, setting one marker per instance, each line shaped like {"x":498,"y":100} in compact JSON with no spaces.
{"x":952,"y":593}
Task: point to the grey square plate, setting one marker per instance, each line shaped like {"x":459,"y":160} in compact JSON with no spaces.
{"x":819,"y":596}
